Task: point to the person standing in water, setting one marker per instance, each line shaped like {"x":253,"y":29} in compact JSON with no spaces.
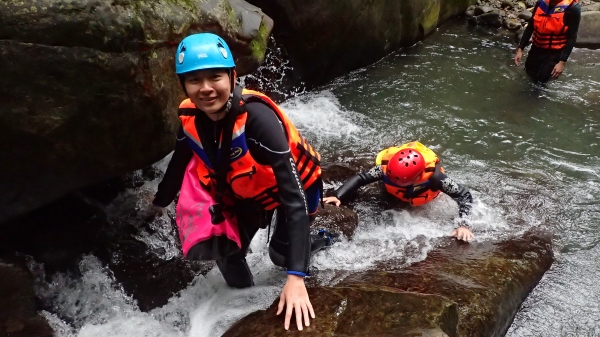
{"x":554,"y":27}
{"x":269,"y":166}
{"x":412,"y":173}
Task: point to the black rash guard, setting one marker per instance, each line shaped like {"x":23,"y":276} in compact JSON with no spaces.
{"x":440,"y":182}
{"x":268,"y":145}
{"x":571,"y":18}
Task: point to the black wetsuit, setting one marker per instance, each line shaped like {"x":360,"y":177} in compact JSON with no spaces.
{"x":541,"y":61}
{"x":439,"y":182}
{"x":268,"y":145}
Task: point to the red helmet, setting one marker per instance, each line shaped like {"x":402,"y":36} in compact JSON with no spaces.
{"x":405,"y":167}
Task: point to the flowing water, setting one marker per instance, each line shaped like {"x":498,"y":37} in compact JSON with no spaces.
{"x":529,"y":154}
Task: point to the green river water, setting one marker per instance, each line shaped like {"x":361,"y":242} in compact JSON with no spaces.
{"x":530,"y":154}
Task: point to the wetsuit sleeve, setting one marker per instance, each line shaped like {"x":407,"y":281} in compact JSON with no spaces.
{"x":572,"y":19}
{"x":528,"y":31}
{"x":268,"y":145}
{"x":459,"y":193}
{"x":173,"y":178}
{"x":353,"y":184}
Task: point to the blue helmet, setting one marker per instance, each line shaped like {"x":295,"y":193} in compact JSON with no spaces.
{"x":202,"y":51}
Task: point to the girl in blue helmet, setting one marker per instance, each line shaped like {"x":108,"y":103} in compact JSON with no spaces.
{"x":270,"y":167}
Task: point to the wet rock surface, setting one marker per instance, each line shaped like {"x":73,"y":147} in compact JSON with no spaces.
{"x":350,"y":311}
{"x":326,"y":39}
{"x":337,"y":220}
{"x":482,"y":283}
{"x":18,"y":307}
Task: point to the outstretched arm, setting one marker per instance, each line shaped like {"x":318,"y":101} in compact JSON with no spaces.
{"x":353,"y":184}
{"x":463,"y":198}
{"x":459,"y":193}
{"x":173,"y":178}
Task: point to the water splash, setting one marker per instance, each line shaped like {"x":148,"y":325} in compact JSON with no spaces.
{"x":275,"y":76}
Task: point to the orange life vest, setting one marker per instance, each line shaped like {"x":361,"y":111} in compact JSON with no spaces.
{"x":420,"y":192}
{"x":550,"y":31}
{"x":247,"y":179}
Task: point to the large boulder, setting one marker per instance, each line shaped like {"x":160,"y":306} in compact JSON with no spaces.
{"x":326,"y":39}
{"x":349,"y":311}
{"x":88,"y":90}
{"x":588,"y":36}
{"x":458,"y":290}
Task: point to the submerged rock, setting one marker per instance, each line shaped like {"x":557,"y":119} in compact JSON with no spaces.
{"x":481,"y":283}
{"x":336,"y":219}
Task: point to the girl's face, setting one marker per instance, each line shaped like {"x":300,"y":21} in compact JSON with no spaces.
{"x":209,"y":90}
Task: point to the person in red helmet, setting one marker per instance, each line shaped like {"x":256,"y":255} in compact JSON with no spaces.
{"x":413,"y":174}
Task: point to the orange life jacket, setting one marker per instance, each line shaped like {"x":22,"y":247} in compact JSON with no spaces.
{"x":549,"y":29}
{"x":420,"y":192}
{"x":247,"y":179}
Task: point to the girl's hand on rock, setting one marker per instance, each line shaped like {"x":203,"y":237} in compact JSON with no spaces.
{"x":462,"y":233}
{"x":332,"y":200}
{"x":295,"y":298}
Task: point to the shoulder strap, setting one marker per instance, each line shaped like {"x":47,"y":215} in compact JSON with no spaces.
{"x":222,"y":166}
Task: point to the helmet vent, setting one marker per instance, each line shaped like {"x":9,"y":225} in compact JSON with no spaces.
{"x":181,"y":55}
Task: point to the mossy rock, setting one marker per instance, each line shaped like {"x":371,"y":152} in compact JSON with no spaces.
{"x":326,"y":39}
{"x":89,"y":90}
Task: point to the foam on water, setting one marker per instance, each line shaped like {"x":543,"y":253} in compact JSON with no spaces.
{"x":320,"y":117}
{"x":94,"y":305}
